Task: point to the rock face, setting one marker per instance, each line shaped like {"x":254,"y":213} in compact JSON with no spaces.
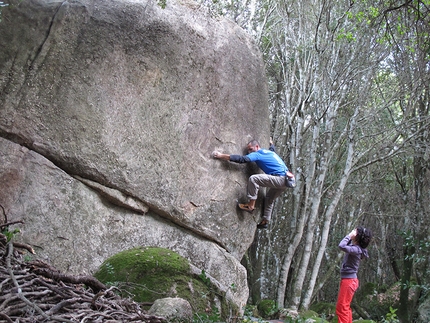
{"x":109,"y":113}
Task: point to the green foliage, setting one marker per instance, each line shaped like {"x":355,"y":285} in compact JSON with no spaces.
{"x":368,"y":289}
{"x":267,"y":308}
{"x":420,"y":250}
{"x":346,"y":35}
{"x":390,"y":317}
{"x":10,"y":234}
{"x":28,"y":258}
{"x":205,"y":279}
{"x":213,"y":316}
{"x":233,"y":287}
{"x":377,"y":300}
{"x":250,"y":310}
{"x":162,"y":3}
{"x":360,"y":17}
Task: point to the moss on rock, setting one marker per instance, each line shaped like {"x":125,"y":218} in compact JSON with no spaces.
{"x":151,"y":273}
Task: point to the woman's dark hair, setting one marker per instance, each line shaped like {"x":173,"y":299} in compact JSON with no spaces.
{"x":364,"y":236}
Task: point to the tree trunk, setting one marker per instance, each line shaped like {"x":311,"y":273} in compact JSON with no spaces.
{"x":408,"y":263}
{"x":328,"y":216}
{"x":283,"y":277}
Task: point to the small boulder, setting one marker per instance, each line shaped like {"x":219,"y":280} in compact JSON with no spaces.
{"x":173,"y":309}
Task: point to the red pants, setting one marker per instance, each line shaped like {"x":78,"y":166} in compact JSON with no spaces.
{"x":348,"y":286}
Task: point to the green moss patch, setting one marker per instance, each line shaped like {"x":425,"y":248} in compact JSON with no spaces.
{"x":150,"y":273}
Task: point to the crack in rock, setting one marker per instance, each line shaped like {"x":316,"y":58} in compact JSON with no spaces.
{"x":116,"y":197}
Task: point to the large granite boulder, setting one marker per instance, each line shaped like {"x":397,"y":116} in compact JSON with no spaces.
{"x":109,"y":113}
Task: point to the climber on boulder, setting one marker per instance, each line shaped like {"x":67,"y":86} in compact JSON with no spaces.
{"x":274,"y":178}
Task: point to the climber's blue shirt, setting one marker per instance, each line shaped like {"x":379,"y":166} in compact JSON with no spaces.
{"x":267,"y":160}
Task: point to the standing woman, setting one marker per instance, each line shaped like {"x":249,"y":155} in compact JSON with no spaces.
{"x":354,"y":245}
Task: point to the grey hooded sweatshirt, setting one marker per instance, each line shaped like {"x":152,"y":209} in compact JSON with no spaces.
{"x":351,"y":260}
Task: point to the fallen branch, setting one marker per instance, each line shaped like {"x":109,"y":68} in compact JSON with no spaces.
{"x":24,"y":246}
{"x":7,"y":318}
{"x":86,"y":280}
{"x":4,"y":225}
